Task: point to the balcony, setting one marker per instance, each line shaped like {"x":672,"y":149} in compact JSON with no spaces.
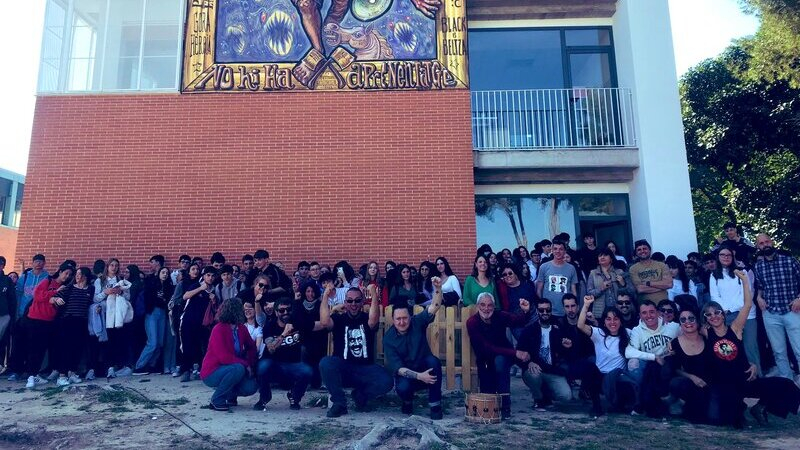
{"x":574,"y":131}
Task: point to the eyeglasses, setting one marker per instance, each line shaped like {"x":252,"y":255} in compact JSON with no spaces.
{"x":716,"y":312}
{"x":624,"y":303}
{"x":284,"y":310}
{"x":725,"y":255}
{"x":354,"y":300}
{"x":185,"y":262}
{"x":666,"y":310}
{"x":545,"y":310}
{"x":508,"y":274}
{"x":688,"y":319}
{"x":262,"y":285}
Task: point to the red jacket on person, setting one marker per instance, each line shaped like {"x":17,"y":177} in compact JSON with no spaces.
{"x":220,"y":349}
{"x":41,"y":308}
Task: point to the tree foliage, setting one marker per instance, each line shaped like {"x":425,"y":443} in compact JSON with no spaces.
{"x":776,"y":48}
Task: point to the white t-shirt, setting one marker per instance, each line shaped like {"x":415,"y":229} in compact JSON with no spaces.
{"x":544,"y":348}
{"x":255,"y":333}
{"x":606,"y":350}
{"x":677,"y":289}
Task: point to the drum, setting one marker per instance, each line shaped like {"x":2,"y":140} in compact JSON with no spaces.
{"x":482,"y":408}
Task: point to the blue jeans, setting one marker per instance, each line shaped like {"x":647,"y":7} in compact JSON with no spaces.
{"x":230,"y":381}
{"x":170,"y":346}
{"x":405,"y":387}
{"x":154,"y":327}
{"x":270,"y":371}
{"x":371,"y":380}
{"x":494,"y":376}
{"x":778,"y":327}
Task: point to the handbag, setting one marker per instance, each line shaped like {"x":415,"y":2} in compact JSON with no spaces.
{"x":210,"y":316}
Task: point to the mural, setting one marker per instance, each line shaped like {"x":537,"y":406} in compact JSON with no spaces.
{"x":286,"y":45}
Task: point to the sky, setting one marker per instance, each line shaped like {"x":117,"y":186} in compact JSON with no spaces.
{"x":700,"y":28}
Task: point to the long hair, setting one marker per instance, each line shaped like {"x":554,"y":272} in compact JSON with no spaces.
{"x":432,"y":272}
{"x":475,"y":267}
{"x":399,"y":281}
{"x":729,"y":270}
{"x":367,"y":278}
{"x":231,"y":312}
{"x":447,"y":270}
{"x":622,"y":333}
{"x":104,"y":275}
{"x":678,"y":264}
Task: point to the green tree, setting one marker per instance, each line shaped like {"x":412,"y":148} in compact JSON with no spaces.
{"x":775,"y":49}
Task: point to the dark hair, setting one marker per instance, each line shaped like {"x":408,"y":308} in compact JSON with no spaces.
{"x":231,"y":312}
{"x":475,"y":266}
{"x":87,"y":273}
{"x":569,"y":296}
{"x":622,"y":333}
{"x":327,"y":276}
{"x":678,"y":264}
{"x":283,"y":301}
{"x":99,"y":267}
{"x":389,"y":263}
{"x":309,"y":283}
{"x":516,"y":268}
{"x":690,"y":262}
{"x":367,"y":279}
{"x":135,"y":275}
{"x":208,"y":269}
{"x":261,"y":254}
{"x":3,"y":260}
{"x":400,"y":305}
{"x":517,"y":254}
{"x":399,"y":275}
{"x":605,"y":252}
{"x":226,"y":268}
{"x":303,"y":264}
{"x":349,"y":273}
{"x":159,"y":259}
{"x":197,"y":259}
{"x":641,"y":242}
{"x":712,"y":305}
{"x":432,"y":272}
{"x":543,"y":300}
{"x":217,"y":257}
{"x":647,"y":303}
{"x":729,"y":224}
{"x":545,"y":242}
{"x":484,"y":250}
{"x":313,"y":263}
{"x":522,"y":268}
{"x":447,"y":270}
{"x":247,"y":257}
{"x":691,"y":255}
{"x":667,"y":302}
{"x":729,"y":270}
{"x":64,"y":266}
{"x":559,"y":242}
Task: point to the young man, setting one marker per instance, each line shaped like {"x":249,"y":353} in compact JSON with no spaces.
{"x":408,"y":355}
{"x":649,"y":343}
{"x":353,"y":361}
{"x":742,"y":247}
{"x":651,"y":278}
{"x":279,"y":282}
{"x":494,"y":354}
{"x":543,"y":342}
{"x":778,"y":278}
{"x":183,"y":264}
{"x":627,"y":307}
{"x":155,"y":320}
{"x":282,"y":358}
{"x":24,"y":296}
{"x":587,"y":255}
{"x":8,"y":300}
{"x":556,"y":278}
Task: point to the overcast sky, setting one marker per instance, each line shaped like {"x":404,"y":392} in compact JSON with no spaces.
{"x":700,"y":28}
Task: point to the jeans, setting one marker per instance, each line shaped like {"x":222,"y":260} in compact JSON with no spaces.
{"x":371,"y":380}
{"x":750,"y":338}
{"x":778,"y":326}
{"x":405,"y":387}
{"x":4,"y":321}
{"x":230,"y":381}
{"x":270,"y":371}
{"x":155,"y":328}
{"x":556,"y":386}
{"x":170,"y":347}
{"x":494,"y":376}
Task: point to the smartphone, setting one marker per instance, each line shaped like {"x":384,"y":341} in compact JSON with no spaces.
{"x":340,"y":270}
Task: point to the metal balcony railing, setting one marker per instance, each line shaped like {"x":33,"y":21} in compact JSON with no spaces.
{"x":553,"y":118}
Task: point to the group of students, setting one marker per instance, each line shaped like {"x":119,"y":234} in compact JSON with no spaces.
{"x":643,"y":337}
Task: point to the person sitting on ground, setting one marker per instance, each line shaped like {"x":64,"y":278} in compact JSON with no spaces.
{"x":544,"y":376}
{"x":650,"y":278}
{"x":408,"y":355}
{"x":649,"y":343}
{"x":693,"y":374}
{"x":493,"y":352}
{"x":628,"y":310}
{"x":352,"y":363}
{"x":282,"y":359}
{"x":609,"y":375}
{"x":228,"y":363}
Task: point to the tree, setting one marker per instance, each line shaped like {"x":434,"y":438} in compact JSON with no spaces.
{"x":775,"y":50}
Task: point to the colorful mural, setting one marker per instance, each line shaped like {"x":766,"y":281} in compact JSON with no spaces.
{"x":285,"y":45}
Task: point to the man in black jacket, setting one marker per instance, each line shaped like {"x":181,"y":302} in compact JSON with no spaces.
{"x":543,"y":375}
{"x":8,"y":300}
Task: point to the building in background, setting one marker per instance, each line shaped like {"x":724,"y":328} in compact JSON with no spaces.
{"x":12,"y":188}
{"x":571,"y":123}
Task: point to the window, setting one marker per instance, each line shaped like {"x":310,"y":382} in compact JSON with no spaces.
{"x":111,"y":45}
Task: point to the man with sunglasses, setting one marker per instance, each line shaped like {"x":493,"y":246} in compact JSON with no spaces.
{"x":543,"y":375}
{"x":282,"y":361}
{"x":627,"y":307}
{"x":353,"y":361}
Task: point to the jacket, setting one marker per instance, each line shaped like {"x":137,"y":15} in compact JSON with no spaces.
{"x":220,"y":349}
{"x":531,"y":342}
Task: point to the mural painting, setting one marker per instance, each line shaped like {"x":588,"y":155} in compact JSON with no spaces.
{"x":296,"y":45}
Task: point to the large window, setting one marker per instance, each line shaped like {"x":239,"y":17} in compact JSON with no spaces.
{"x":514,"y":220}
{"x":111,"y":45}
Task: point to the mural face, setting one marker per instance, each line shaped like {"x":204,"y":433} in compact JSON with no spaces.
{"x":279,"y":45}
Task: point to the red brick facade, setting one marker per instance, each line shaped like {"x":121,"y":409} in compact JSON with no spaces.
{"x":8,"y":245}
{"x":356,"y":176}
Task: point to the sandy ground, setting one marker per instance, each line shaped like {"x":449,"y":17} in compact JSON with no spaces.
{"x":157,"y":411}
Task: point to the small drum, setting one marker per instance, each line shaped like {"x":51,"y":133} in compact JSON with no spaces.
{"x":482,"y":408}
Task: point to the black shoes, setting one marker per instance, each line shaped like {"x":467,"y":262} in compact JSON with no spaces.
{"x":436,"y":413}
{"x":214,"y":407}
{"x":260,"y":406}
{"x":360,"y":400}
{"x":407,"y":408}
{"x":336,"y":411}
{"x":759,"y":412}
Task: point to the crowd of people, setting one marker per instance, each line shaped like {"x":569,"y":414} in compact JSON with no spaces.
{"x":654,"y":335}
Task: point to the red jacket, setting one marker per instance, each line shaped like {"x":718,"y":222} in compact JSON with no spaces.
{"x":220,"y":349}
{"x":41,"y":308}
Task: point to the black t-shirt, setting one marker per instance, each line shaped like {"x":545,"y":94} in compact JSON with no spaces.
{"x":195,"y":307}
{"x":353,"y":339}
{"x":290,"y":349}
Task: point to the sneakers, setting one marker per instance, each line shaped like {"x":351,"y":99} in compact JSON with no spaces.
{"x":53,"y":375}
{"x":293,"y":404}
{"x":90,"y":375}
{"x":336,"y":411}
{"x":233,"y":402}
{"x":12,"y":377}
{"x":407,"y":408}
{"x":62,"y":381}
{"x":260,"y":406}
{"x":35,"y":381}
{"x":140,"y":372}
{"x":436,"y":412}
{"x":187,"y":377}
{"x":176,"y":372}
{"x":124,"y":372}
{"x":214,"y":407}
{"x":73,"y":378}
{"x":111,"y":373}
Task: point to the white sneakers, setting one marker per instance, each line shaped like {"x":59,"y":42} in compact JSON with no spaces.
{"x":53,"y":375}
{"x":74,"y":378}
{"x":62,"y":381}
{"x":35,"y":381}
{"x":124,"y":372}
{"x":90,"y":375}
{"x":111,"y":373}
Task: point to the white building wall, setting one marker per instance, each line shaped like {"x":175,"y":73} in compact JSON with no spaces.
{"x":660,"y":198}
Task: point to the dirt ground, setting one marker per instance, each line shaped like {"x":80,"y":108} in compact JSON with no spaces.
{"x":157,"y":411}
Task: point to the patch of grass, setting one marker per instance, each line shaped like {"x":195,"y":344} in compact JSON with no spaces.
{"x":51,"y":392}
{"x":118,"y":409}
{"x":119,"y":398}
{"x":17,"y":437}
{"x":174,"y":402}
{"x":85,"y":407}
{"x":318,"y":436}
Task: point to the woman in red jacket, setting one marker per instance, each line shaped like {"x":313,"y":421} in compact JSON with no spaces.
{"x":39,"y":323}
{"x":228,"y":364}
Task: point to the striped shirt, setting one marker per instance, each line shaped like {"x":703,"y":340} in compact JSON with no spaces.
{"x":779,"y":282}
{"x":77,"y":302}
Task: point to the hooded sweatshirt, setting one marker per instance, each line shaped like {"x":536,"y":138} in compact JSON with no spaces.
{"x":646,"y":344}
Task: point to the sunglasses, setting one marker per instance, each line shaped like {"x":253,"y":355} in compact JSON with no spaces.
{"x":354,"y":300}
{"x":717,"y":312}
{"x":262,"y":285}
{"x":666,"y":310}
{"x":508,"y":274}
{"x":624,"y":303}
{"x":284,"y":310}
{"x":689,"y":319}
{"x":545,"y":310}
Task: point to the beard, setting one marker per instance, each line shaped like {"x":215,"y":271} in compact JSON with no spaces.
{"x":768,"y":251}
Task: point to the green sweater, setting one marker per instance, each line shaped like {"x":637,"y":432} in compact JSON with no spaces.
{"x":472,"y":289}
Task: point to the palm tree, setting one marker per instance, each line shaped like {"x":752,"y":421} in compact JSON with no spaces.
{"x":511,"y":207}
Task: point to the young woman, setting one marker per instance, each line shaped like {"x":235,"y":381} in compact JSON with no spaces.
{"x":494,"y":266}
{"x":505,"y":257}
{"x":231,"y":356}
{"x":606,"y":281}
{"x":185,"y":279}
{"x":733,"y":378}
{"x":256,"y":332}
{"x":609,"y":373}
{"x":71,"y":332}
{"x":480,"y":281}
{"x":451,"y":287}
{"x":525,"y":273}
{"x":136,"y":329}
{"x":197,"y":298}
{"x":691,"y":385}
{"x":157,"y":294}
{"x":523,"y":257}
{"x":514,"y":287}
{"x":316,"y":346}
{"x":114,"y":352}
{"x":619,"y":261}
{"x":681,"y":284}
{"x":39,"y":324}
{"x":427,"y":270}
{"x":404,"y":290}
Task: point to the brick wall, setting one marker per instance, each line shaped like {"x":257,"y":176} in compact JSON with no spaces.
{"x":8,"y":245}
{"x":328,"y":176}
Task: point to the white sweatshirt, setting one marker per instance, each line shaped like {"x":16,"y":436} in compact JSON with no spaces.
{"x":646,"y":344}
{"x":729,"y":292}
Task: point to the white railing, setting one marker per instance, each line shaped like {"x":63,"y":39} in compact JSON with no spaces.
{"x":552,"y":118}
